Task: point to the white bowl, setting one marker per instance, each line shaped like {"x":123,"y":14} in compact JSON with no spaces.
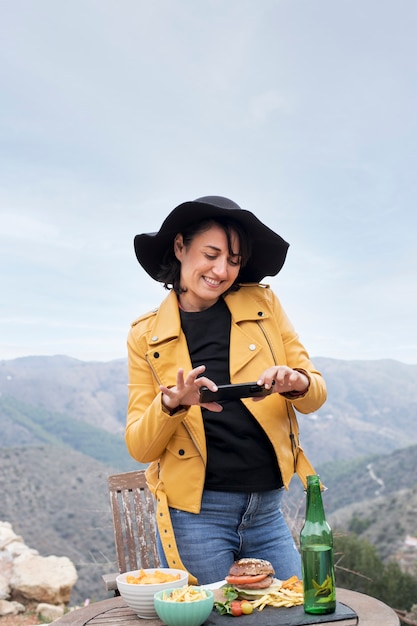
{"x":139,"y":597}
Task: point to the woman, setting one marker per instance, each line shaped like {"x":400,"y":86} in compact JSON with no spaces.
{"x":218,"y":471}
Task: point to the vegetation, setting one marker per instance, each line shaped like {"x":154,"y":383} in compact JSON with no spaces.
{"x":358,"y":567}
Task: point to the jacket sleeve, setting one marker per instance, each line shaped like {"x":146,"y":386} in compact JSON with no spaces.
{"x":149,"y":427}
{"x":297,"y":357}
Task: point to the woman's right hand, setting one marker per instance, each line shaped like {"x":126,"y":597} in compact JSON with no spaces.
{"x":187,"y":390}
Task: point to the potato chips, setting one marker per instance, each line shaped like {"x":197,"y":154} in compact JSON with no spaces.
{"x":154,"y":578}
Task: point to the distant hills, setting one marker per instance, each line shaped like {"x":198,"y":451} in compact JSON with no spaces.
{"x":27,"y":425}
{"x":371,"y":407}
{"x":61,"y":435}
{"x":60,"y":400}
{"x":92,"y":392}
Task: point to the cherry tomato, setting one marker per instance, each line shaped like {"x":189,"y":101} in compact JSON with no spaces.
{"x":236,"y":608}
{"x":246,"y":607}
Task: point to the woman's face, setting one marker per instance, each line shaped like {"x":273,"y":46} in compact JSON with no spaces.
{"x":207,"y":267}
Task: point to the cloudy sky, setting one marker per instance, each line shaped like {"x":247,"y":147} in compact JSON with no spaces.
{"x":112,"y":112}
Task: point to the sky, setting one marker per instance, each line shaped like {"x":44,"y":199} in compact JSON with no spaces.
{"x":113,"y":112}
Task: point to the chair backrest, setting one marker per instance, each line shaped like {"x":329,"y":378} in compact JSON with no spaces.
{"x":134,"y":521}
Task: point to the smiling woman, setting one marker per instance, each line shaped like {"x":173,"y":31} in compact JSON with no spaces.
{"x":209,"y":266}
{"x":218,"y":469}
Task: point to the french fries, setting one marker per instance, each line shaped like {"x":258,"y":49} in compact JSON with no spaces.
{"x":185,"y":594}
{"x":293,"y":584}
{"x":289,"y":594}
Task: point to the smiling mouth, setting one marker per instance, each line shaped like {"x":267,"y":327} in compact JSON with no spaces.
{"x":212,"y":282}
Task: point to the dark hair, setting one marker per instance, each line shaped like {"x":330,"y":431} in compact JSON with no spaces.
{"x":170,"y":270}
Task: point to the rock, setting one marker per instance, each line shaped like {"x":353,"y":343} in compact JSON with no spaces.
{"x":4,"y":588}
{"x":49,"y":612}
{"x":7,"y":535}
{"x":6,"y":569}
{"x":11,"y":545}
{"x":45,"y":579}
{"x":10,"y":608}
{"x":25,"y":575}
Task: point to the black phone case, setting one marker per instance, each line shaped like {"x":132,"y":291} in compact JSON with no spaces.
{"x":226,"y":393}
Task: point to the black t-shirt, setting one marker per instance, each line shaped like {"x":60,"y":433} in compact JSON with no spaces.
{"x":240,"y":456}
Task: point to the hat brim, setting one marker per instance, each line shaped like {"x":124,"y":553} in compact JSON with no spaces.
{"x":269,"y":250}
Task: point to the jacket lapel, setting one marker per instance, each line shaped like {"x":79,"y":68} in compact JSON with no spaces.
{"x":245,"y":339}
{"x":168,"y":343}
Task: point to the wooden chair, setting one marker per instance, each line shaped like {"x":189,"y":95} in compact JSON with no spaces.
{"x":134,"y":524}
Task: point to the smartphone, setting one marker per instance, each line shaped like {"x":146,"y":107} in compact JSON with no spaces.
{"x":225,"y":393}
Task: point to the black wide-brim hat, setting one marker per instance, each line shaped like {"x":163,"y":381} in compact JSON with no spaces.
{"x":269,"y":250}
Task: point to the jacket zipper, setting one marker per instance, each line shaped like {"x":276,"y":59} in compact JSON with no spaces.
{"x":267,"y":341}
{"x":294,"y":443}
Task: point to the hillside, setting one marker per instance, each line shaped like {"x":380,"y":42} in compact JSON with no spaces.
{"x":93,"y":392}
{"x":371,"y":409}
{"x":375,"y":497}
{"x":386,"y":522}
{"x":23,"y":424}
{"x":62,"y":423}
{"x":363,"y":479}
{"x":371,"y":406}
{"x":57,"y":500}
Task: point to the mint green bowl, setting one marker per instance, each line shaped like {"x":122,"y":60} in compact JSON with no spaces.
{"x":192,"y":613}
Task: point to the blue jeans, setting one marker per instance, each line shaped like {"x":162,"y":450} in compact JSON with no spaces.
{"x":231,"y":526}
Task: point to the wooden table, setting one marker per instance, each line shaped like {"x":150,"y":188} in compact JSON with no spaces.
{"x":114,"y":612}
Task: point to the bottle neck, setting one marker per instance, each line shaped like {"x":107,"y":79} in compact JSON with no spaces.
{"x":314,"y":504}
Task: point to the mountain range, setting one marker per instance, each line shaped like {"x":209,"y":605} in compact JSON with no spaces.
{"x":61,"y":435}
{"x":371,"y":406}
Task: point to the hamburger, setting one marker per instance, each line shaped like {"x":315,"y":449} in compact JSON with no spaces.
{"x":251,"y":574}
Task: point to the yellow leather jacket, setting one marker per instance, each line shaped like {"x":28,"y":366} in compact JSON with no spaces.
{"x":261,"y":335}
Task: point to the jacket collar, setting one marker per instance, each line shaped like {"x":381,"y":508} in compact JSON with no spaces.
{"x":242,"y":306}
{"x":167,"y":323}
{"x":248,"y":303}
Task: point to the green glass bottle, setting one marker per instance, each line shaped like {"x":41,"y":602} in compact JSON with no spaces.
{"x":316,"y":543}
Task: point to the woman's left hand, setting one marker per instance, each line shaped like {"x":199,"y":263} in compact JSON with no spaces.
{"x":283,"y":379}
